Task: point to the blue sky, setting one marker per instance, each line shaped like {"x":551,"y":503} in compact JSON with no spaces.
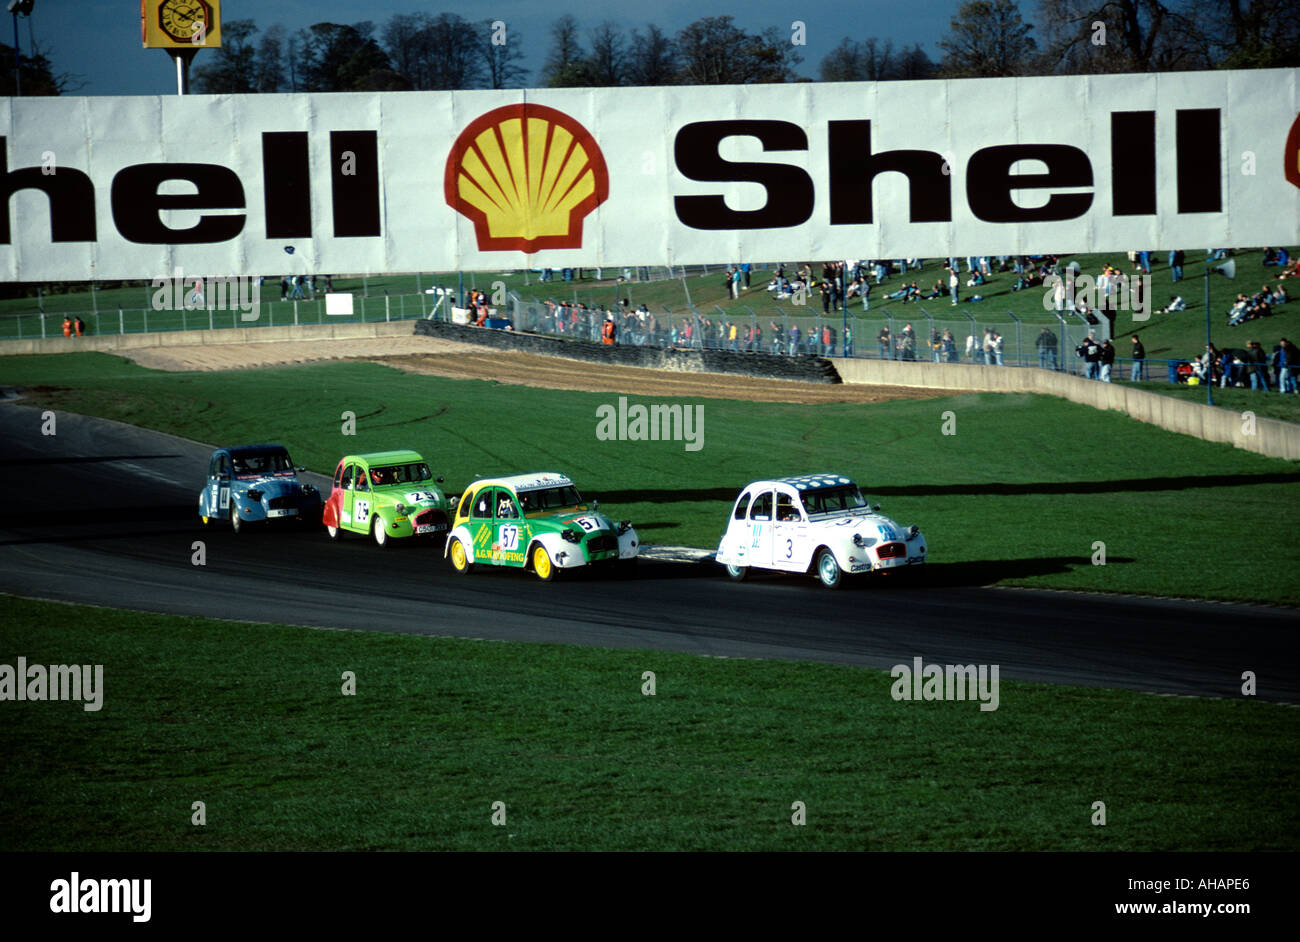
{"x":98,"y":41}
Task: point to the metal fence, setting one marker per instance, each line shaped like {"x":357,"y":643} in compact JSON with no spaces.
{"x":264,"y":314}
{"x":914,"y":332}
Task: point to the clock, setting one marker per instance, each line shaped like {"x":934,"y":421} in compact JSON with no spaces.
{"x":177,"y":19}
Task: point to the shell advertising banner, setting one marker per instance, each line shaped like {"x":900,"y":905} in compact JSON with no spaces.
{"x":366,"y":183}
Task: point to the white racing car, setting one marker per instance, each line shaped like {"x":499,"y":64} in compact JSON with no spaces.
{"x":818,"y":524}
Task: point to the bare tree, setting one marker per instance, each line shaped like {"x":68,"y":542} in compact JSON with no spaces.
{"x":565,"y":65}
{"x":270,"y":60}
{"x":501,"y":59}
{"x":867,"y":61}
{"x":913,"y":63}
{"x":233,"y":68}
{"x":987,"y":38}
{"x":605,"y":61}
{"x":651,"y":59}
{"x":714,"y":51}
{"x":1086,"y":36}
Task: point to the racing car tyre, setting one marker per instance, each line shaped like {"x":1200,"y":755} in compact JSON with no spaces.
{"x":236,"y":523}
{"x":828,"y":570}
{"x":378,"y":531}
{"x":738,"y":573}
{"x":542,"y":564}
{"x":460,"y":559}
{"x":332,"y":532}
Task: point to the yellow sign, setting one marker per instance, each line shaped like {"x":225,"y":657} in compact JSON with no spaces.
{"x":180,"y":24}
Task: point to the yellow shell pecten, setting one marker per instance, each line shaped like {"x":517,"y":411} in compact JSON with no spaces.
{"x":526,"y":178}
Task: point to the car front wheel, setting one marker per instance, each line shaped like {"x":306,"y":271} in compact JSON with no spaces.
{"x":236,"y":523}
{"x":542,"y":564}
{"x":738,"y":573}
{"x":828,"y":570}
{"x":380,"y":532}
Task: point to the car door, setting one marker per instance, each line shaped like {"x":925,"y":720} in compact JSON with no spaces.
{"x":217,"y":495}
{"x":789,"y":534}
{"x":482,"y":525}
{"x":359,"y":499}
{"x":760,"y":529}
{"x":508,"y":524}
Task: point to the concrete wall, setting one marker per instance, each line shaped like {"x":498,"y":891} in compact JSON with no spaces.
{"x":108,"y":343}
{"x":807,"y":369}
{"x":1271,"y":437}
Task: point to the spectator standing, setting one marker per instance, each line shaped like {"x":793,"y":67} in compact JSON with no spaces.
{"x":794,"y":339}
{"x":848,"y":341}
{"x":1090,"y":350}
{"x":1040,"y":343}
{"x":67,"y":326}
{"x":954,"y":285}
{"x":1107,"y":360}
{"x":1257,"y":361}
{"x":886,"y":345}
{"x":1139,"y":360}
{"x":80,"y":325}
{"x":1176,"y":263}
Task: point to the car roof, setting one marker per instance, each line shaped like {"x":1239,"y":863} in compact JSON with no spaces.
{"x":244,"y":450}
{"x":805,"y":482}
{"x":532,"y":481}
{"x":383,"y":457}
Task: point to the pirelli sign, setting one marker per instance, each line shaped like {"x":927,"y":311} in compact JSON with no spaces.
{"x":409,"y":181}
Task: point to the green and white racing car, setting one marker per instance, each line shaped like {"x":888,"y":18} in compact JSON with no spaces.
{"x":536,"y":522}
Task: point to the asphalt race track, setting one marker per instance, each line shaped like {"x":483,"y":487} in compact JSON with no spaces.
{"x":105,"y":514}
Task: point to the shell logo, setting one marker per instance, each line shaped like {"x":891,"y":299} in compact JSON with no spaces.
{"x":526,"y":176}
{"x":1292,"y":158}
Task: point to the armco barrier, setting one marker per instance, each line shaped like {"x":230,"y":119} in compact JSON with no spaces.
{"x":809,"y":369}
{"x":1271,"y":437}
{"x":107,"y":343}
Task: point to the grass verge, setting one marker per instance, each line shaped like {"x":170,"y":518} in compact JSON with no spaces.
{"x":250,"y":720}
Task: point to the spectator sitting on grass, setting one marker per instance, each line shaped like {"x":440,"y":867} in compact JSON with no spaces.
{"x":976,"y":278}
{"x":1278,"y":296}
{"x":1175,"y":304}
{"x":938,"y":291}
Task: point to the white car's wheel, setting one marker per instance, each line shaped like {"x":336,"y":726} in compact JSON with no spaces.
{"x":828,"y":570}
{"x":332,"y":532}
{"x":738,"y":573}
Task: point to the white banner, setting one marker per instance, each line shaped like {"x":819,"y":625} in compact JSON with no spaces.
{"x":368,"y":183}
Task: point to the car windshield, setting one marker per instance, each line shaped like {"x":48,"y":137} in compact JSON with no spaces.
{"x":262,"y":462}
{"x":831,"y":500}
{"x":415,"y":473}
{"x":549,"y":498}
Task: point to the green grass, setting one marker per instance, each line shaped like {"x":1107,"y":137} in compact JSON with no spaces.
{"x":250,"y":720}
{"x":1019,"y":495}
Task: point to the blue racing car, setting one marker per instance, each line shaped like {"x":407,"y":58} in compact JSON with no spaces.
{"x":255,"y":483}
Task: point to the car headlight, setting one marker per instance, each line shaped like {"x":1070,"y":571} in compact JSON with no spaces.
{"x":624,"y":526}
{"x":913,"y":532}
{"x":254,"y":494}
{"x":571,"y":536}
{"x":402,"y":509}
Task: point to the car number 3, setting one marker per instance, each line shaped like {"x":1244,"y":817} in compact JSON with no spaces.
{"x":789,"y":548}
{"x":509,"y":538}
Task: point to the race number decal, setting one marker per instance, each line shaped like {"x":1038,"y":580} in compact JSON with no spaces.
{"x":361,"y":511}
{"x":225,"y":498}
{"x":789,"y":548}
{"x":589,"y":524}
{"x":509,"y":538}
{"x":758,"y":532}
{"x":414,"y":497}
